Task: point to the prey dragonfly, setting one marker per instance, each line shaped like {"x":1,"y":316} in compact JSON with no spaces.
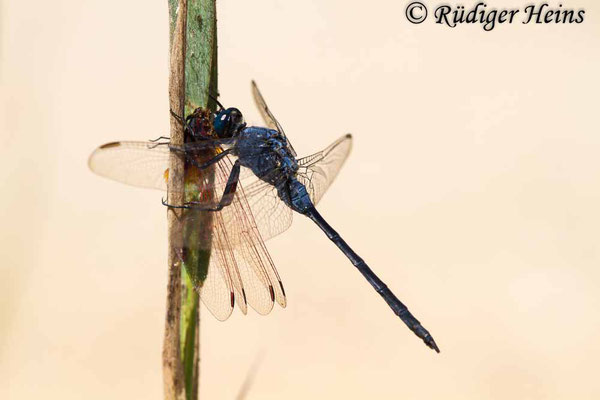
{"x":250,"y":181}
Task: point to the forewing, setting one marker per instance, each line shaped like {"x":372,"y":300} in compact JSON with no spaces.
{"x":318,"y":170}
{"x":133,"y":163}
{"x":268,"y":116}
{"x":146,"y":164}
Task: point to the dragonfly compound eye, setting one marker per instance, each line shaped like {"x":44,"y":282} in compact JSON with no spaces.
{"x":228,"y":123}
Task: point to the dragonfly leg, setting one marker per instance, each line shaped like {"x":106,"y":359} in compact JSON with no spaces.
{"x":159,"y":138}
{"x":226,"y":198}
{"x":390,"y":298}
{"x":181,"y":120}
{"x":214,"y":98}
{"x":177,"y":117}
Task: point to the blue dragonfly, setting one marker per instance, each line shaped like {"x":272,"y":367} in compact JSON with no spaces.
{"x":250,"y":179}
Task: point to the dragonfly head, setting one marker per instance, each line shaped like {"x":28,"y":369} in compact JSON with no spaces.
{"x":198,"y":124}
{"x":228,"y":122}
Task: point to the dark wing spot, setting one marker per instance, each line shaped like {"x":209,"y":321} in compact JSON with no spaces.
{"x":272,"y":292}
{"x":109,"y":145}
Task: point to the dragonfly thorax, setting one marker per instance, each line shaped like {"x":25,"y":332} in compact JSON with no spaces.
{"x":278,"y":145}
{"x":266,"y":152}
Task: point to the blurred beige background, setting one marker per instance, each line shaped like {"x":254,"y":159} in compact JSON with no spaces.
{"x":472,"y":189}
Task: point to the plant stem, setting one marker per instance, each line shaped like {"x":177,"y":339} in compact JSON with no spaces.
{"x":174,"y":384}
{"x":193,"y":76}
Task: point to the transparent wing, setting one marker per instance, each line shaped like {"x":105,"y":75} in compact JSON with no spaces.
{"x":146,"y":164}
{"x":272,"y":215}
{"x":133,"y":163}
{"x":241,"y":269}
{"x":318,"y":170}
{"x":268,"y":116}
{"x":216,"y":284}
{"x":254,"y":262}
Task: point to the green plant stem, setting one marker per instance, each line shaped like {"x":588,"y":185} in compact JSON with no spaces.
{"x":193,"y":76}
